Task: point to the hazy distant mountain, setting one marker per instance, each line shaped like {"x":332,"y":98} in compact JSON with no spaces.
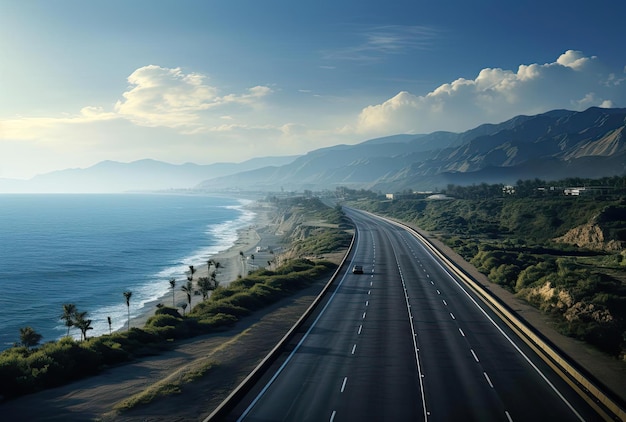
{"x":113,"y":176}
{"x":549,"y":146}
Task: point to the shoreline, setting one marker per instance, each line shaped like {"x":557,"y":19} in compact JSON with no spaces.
{"x":231,"y":265}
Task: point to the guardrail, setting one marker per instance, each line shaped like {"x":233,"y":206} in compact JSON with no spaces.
{"x":242,"y":389}
{"x":565,"y":369}
{"x":583,"y":385}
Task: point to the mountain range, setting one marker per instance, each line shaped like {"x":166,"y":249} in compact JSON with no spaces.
{"x":141,"y":175}
{"x":548,"y":146}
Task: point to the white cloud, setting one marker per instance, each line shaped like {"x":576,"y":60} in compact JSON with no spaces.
{"x":574,"y":59}
{"x":161,"y":104}
{"x":379,"y":41}
{"x":168,"y":97}
{"x":42,"y":128}
{"x":157,"y":97}
{"x":573,"y":81}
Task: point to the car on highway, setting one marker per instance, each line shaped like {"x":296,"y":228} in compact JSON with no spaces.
{"x":357,"y":269}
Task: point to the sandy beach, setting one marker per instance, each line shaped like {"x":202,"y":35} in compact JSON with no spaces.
{"x":236,"y":351}
{"x":231,"y":263}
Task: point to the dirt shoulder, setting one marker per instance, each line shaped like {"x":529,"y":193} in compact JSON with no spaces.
{"x":236,"y":352}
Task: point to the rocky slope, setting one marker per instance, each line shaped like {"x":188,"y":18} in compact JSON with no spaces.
{"x":605,"y":232}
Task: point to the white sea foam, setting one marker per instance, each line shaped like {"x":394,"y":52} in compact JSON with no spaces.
{"x":220,"y":237}
{"x":155,"y":287}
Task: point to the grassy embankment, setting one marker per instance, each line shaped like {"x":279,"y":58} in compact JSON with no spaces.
{"x":513,"y":240}
{"x":25,"y":370}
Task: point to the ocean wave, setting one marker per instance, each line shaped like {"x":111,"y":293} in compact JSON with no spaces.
{"x":91,"y":262}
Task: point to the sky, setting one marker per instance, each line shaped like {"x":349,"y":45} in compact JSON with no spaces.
{"x":208,"y":81}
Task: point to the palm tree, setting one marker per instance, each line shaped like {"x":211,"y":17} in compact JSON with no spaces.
{"x":243,"y":263}
{"x":69,"y":309}
{"x":192,"y":270}
{"x":83,"y":324}
{"x":188,"y":289}
{"x":29,"y":337}
{"x":184,"y":306}
{"x":204,"y":283}
{"x":109,"y":321}
{"x":173,"y":285}
{"x":127,"y":295}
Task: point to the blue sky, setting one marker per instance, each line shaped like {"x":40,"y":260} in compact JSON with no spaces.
{"x":215,"y":80}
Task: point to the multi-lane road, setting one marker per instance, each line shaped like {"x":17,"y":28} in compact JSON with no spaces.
{"x":406,"y":341}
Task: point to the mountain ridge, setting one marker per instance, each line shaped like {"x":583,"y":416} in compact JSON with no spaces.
{"x":553,"y":145}
{"x":550,"y":146}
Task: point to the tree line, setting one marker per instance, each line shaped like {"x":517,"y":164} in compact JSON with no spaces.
{"x":72,"y":317}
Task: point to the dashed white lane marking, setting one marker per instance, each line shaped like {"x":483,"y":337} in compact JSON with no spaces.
{"x":332,"y":415}
{"x":345,"y":380}
{"x":367,"y":303}
{"x":488,"y":380}
{"x":445,"y":303}
{"x":364,"y":315}
{"x":369,"y":292}
{"x":452,"y":315}
{"x":508,"y":417}
{"x":360,"y":328}
{"x":353,"y":349}
{"x":474,"y":354}
{"x":438,"y":292}
{"x":462,"y":333}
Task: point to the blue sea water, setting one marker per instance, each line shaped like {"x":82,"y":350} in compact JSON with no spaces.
{"x":88,"y":249}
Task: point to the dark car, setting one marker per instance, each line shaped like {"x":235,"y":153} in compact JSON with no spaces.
{"x":358,"y":269}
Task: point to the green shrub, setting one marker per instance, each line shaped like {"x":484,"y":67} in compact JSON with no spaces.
{"x":214,"y":307}
{"x":217,"y":321}
{"x":166,"y":310}
{"x":110,"y":351}
{"x":163,"y":320}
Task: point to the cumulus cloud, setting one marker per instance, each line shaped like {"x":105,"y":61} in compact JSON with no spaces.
{"x":161,"y":96}
{"x":574,"y":59}
{"x":157,"y":97}
{"x":573,"y":81}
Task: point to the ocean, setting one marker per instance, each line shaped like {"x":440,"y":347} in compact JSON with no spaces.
{"x":88,"y":249}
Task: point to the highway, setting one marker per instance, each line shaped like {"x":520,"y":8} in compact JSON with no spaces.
{"x":406,"y":341}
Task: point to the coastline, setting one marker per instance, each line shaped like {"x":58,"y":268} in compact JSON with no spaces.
{"x":231,"y":265}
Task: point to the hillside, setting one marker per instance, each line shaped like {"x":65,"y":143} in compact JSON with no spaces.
{"x":563,"y":255}
{"x":552,"y":145}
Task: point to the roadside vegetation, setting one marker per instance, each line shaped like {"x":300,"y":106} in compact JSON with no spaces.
{"x":27,"y":367}
{"x":565,"y":255}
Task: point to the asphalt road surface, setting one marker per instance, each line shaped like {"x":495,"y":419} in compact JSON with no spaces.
{"x":406,"y":341}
